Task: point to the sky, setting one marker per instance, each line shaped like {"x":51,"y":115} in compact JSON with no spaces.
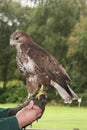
{"x":25,"y":2}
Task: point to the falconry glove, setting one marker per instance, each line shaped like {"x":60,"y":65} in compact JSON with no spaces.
{"x":40,"y":103}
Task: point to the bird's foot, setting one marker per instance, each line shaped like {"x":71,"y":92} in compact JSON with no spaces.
{"x":41,"y":92}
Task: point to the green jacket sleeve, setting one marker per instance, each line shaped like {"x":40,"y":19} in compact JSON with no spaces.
{"x":4,"y":112}
{"x":8,"y":123}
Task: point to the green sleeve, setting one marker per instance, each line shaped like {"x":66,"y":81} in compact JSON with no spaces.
{"x":4,"y":112}
{"x":7,"y":123}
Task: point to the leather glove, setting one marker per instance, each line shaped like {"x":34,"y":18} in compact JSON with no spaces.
{"x":40,"y":103}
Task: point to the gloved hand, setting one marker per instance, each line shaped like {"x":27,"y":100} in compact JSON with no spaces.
{"x":36,"y":103}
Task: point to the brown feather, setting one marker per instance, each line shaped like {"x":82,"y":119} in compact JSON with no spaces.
{"x":40,"y":67}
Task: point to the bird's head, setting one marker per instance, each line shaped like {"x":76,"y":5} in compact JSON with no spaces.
{"x":18,"y":38}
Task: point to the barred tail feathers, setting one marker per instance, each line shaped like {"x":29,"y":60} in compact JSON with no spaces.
{"x":63,"y":93}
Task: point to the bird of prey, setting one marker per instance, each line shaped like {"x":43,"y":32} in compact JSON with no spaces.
{"x":40,"y":67}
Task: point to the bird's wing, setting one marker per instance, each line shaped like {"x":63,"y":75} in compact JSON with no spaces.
{"x":53,"y":69}
{"x":48,"y":64}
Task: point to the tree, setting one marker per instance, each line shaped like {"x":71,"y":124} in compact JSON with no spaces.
{"x":57,"y":25}
{"x":51,"y":21}
{"x":12,"y":17}
{"x":76,"y":54}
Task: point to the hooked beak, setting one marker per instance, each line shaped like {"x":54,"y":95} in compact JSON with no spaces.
{"x":12,"y":42}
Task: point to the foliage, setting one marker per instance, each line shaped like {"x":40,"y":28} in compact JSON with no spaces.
{"x":78,"y":61}
{"x":52,"y":22}
{"x":83,"y":44}
{"x":11,"y":15}
{"x":60,"y":26}
{"x":15,"y":92}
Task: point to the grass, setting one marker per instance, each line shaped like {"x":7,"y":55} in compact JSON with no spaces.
{"x":62,"y":118}
{"x":8,"y":105}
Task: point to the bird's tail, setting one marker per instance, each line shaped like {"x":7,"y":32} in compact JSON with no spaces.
{"x":64,"y":94}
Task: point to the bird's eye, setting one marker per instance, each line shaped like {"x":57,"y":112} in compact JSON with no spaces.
{"x":16,"y":38}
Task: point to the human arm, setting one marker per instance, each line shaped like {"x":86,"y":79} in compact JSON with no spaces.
{"x":9,"y":123}
{"x":28,"y":114}
{"x":22,"y":115}
{"x":32,"y":111}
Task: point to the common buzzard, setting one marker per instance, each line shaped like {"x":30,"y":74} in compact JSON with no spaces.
{"x":40,"y":67}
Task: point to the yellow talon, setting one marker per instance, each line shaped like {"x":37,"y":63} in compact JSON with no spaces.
{"x":41,"y":92}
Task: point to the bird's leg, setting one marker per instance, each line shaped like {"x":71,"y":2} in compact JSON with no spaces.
{"x":30,"y":95}
{"x":41,"y":92}
{"x":42,"y":88}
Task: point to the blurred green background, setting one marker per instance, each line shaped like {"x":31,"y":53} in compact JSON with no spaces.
{"x":60,"y":26}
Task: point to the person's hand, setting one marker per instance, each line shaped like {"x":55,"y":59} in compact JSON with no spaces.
{"x":28,"y":114}
{"x":29,"y":111}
